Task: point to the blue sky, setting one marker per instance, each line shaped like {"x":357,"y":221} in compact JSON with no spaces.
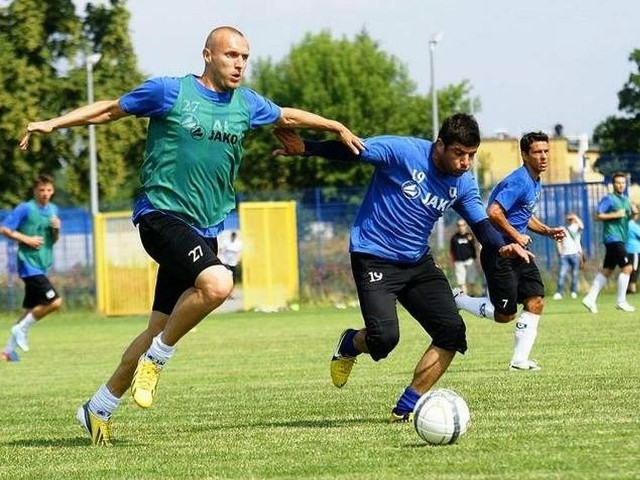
{"x":532,"y":64}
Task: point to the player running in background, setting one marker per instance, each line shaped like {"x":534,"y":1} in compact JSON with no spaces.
{"x":193,"y":152}
{"x":614,"y":210}
{"x":512,"y":205}
{"x":36,"y":227}
{"x":415,"y":181}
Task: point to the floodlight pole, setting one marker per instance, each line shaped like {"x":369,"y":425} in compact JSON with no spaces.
{"x":90,"y":61}
{"x":433,"y":43}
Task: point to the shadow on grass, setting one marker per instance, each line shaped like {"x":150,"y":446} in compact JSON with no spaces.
{"x":59,"y":442}
{"x":320,"y":423}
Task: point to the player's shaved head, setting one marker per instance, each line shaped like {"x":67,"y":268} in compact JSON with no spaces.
{"x":215,"y":34}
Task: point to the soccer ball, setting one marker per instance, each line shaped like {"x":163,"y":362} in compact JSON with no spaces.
{"x":441,"y":416}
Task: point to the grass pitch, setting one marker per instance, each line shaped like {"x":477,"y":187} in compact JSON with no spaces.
{"x":249,"y":396}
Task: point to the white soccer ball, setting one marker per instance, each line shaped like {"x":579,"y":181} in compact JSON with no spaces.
{"x":441,"y":416}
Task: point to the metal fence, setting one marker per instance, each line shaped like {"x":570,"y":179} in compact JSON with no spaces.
{"x":324,"y":219}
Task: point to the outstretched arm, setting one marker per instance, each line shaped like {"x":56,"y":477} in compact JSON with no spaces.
{"x":296,"y":118}
{"x":535,"y":225}
{"x":293,"y":144}
{"x":102,"y":111}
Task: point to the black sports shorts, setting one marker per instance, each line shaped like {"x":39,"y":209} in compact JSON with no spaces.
{"x":181,"y":254}
{"x":615,"y":256}
{"x":420,"y":287}
{"x":38,"y":291}
{"x":510,"y":280}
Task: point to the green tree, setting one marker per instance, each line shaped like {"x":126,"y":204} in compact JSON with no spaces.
{"x":619,"y":136}
{"x":352,"y":81}
{"x":120,"y":145}
{"x":36,"y":40}
{"x":43,"y":46}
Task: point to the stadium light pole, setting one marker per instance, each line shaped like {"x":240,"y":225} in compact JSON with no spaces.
{"x":90,"y":61}
{"x":433,"y":43}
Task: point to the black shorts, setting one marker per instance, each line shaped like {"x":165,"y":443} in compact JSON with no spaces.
{"x":510,"y":280}
{"x":420,"y":287}
{"x":38,"y":291}
{"x":615,"y":256}
{"x":181,"y":254}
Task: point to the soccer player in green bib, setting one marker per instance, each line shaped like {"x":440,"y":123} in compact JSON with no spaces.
{"x":36,"y":227}
{"x":193,"y":152}
{"x":614,"y":211}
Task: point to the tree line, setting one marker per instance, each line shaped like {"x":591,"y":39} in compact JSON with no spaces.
{"x":44,"y":48}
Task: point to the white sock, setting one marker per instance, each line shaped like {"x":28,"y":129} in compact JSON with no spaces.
{"x":623,"y":283}
{"x":479,"y":306}
{"x":11,"y":344}
{"x":524,"y":336}
{"x":598,"y":284}
{"x":160,"y":352}
{"x":27,"y":321}
{"x":103,"y":403}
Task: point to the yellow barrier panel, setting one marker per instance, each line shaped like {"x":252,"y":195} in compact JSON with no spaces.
{"x":125,"y":274}
{"x":270,"y":278}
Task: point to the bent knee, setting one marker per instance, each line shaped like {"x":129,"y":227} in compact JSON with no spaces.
{"x":56,"y":304}
{"x":534,"y":305}
{"x":215,"y":283}
{"x":380,"y":345}
{"x":504,"y":317}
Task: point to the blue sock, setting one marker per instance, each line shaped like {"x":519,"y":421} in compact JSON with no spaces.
{"x":407,"y":401}
{"x":347,"y":348}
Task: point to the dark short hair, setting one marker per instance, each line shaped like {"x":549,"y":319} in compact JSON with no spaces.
{"x":618,"y":175}
{"x":460,"y":128}
{"x":42,"y":178}
{"x":530,"y":138}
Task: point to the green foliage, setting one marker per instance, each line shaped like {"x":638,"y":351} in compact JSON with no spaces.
{"x":619,"y":136}
{"x":42,"y":75}
{"x":249,"y":396}
{"x":352,"y":81}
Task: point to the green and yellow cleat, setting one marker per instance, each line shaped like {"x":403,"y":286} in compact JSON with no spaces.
{"x":398,"y":418}
{"x":98,"y":429}
{"x":341,"y":365}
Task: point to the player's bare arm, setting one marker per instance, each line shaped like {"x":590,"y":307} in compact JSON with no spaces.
{"x":102,"y":111}
{"x":513,"y":250}
{"x":295,"y":118}
{"x":537,"y":226}
{"x":497,"y":216}
{"x":292,"y":143}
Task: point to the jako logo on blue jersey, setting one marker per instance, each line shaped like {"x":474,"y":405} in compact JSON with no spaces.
{"x":410,"y":189}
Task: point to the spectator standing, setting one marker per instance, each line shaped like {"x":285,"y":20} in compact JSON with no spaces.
{"x":463,"y":250}
{"x":570,"y":255}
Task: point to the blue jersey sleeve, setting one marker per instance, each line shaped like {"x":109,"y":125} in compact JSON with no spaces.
{"x":17,"y":215}
{"x":605,"y":205}
{"x":154,"y":98}
{"x":509,"y":194}
{"x":387,"y":149}
{"x":262,"y":110}
{"x":469,"y":203}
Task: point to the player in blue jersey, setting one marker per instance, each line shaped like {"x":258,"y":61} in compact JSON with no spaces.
{"x":193,"y":152}
{"x":414,"y":183}
{"x":511,"y":207}
{"x":35,"y":225}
